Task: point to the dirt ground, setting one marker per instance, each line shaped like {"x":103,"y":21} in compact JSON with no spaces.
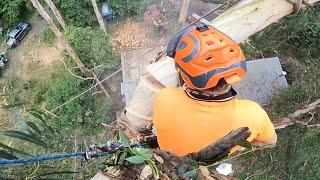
{"x":33,"y":57}
{"x":28,"y":62}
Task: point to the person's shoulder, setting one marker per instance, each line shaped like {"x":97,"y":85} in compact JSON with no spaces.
{"x":167,"y":94}
{"x":249,"y":105}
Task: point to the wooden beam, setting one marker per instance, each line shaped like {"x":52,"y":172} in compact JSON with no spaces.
{"x":184,"y":11}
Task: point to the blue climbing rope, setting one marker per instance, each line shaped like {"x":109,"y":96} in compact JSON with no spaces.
{"x":93,"y":151}
{"x":48,"y":157}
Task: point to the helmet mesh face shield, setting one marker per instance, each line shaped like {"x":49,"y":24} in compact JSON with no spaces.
{"x":204,"y":55}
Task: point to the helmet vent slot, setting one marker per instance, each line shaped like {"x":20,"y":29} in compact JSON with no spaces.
{"x":205,"y":34}
{"x":210,"y":43}
{"x":221,"y":39}
{"x":231,"y":51}
{"x":209,"y":58}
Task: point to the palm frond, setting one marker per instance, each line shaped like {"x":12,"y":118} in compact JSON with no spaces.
{"x":6,"y":155}
{"x":12,"y":150}
{"x":25,"y":137}
{"x":34,"y":127}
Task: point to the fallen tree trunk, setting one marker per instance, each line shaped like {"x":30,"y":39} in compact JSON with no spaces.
{"x":251,"y":16}
{"x":239,"y":22}
{"x":56,"y":13}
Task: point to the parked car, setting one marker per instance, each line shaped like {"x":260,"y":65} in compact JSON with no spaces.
{"x":16,"y":35}
{"x":107,"y":12}
{"x":3,"y":60}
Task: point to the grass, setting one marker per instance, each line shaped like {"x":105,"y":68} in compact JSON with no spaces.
{"x":295,"y":39}
{"x":47,"y":36}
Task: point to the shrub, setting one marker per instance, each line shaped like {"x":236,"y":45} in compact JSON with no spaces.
{"x":127,"y":7}
{"x":78,"y":13}
{"x":85,"y":111}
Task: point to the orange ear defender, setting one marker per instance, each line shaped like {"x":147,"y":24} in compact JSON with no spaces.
{"x":203,"y":56}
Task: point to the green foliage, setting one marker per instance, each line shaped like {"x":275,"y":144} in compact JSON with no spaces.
{"x":86,"y":111}
{"x":128,"y":7}
{"x":32,"y":132}
{"x":6,"y":155}
{"x":123,"y":139}
{"x":296,"y":156}
{"x":136,"y":155}
{"x":12,"y":11}
{"x":135,"y":159}
{"x":77,"y":13}
{"x":92,"y":47}
{"x":48,"y":36}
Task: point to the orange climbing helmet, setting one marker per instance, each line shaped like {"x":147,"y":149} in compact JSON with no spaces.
{"x":203,"y":56}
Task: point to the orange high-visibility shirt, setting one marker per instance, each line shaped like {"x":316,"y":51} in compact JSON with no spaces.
{"x":185,"y":125}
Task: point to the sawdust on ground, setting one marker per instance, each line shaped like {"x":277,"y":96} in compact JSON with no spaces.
{"x":133,"y":35}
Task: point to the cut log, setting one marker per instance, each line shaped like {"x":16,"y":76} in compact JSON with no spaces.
{"x":139,"y":112}
{"x":164,"y":71}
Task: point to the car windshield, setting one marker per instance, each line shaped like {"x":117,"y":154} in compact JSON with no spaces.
{"x":13,"y":33}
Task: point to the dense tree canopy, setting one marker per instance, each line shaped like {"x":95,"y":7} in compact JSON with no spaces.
{"x":11,"y":11}
{"x":127,"y":7}
{"x":84,"y":111}
{"x":92,"y":46}
{"x":78,"y":13}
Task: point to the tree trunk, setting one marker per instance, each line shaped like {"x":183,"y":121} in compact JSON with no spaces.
{"x":99,"y":17}
{"x":184,"y":11}
{"x":56,"y":13}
